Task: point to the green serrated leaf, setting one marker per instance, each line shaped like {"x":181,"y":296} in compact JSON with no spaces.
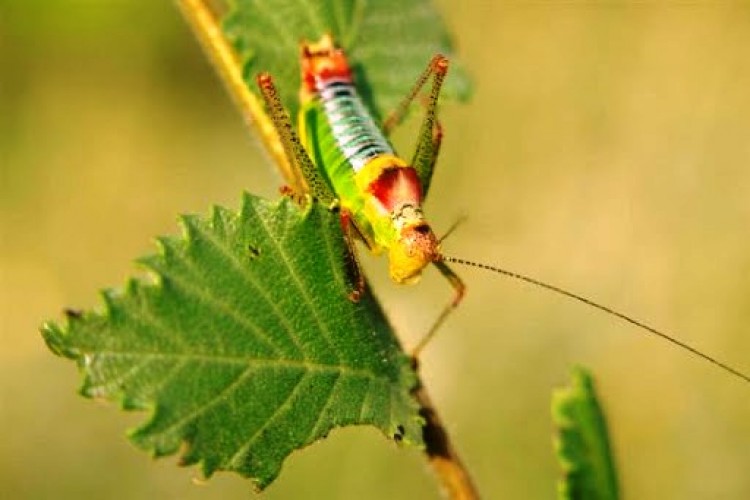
{"x":245,"y":346}
{"x":582,"y":444}
{"x":389,"y":43}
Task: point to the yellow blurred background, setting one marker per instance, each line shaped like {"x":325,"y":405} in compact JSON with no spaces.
{"x":606,"y":150}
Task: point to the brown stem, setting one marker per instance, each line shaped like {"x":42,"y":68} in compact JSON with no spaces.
{"x":441,"y":454}
{"x":204,"y":17}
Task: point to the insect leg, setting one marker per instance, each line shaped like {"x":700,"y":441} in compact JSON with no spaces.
{"x":396,"y":116}
{"x":359,"y":278}
{"x":426,"y":155}
{"x":431,"y":131}
{"x":459,"y":289}
{"x":293,"y":148}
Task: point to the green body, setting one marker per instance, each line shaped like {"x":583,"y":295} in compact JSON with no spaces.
{"x":348,"y":184}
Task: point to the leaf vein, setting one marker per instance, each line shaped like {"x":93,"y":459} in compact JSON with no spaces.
{"x":258,"y":290}
{"x":283,"y":406}
{"x":315,"y":19}
{"x":365,"y":402}
{"x":170,"y":374}
{"x":222,"y":309}
{"x":287,"y":37}
{"x":323,"y":327}
{"x":322,"y":411}
{"x":107,"y":384}
{"x":218,"y":398}
{"x":230,"y":360}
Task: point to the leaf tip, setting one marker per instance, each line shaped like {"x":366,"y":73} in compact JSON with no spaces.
{"x":582,"y":442}
{"x":56,"y":339}
{"x":247,"y":204}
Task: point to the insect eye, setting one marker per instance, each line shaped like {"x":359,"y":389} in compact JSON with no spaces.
{"x":422,"y":229}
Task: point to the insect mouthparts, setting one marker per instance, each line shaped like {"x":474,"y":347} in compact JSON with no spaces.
{"x":422,"y":229}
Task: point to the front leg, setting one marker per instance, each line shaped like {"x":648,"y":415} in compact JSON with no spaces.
{"x":459,"y":289}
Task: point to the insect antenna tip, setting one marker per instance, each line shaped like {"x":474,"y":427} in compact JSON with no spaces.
{"x":644,"y":327}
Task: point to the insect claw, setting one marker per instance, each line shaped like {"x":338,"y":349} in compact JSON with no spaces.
{"x":359,"y":290}
{"x":355,"y":295}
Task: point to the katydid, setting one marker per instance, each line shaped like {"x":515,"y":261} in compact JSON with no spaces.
{"x":347,"y":162}
{"x":344,"y":159}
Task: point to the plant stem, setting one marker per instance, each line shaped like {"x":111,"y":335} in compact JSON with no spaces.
{"x":204,"y":19}
{"x":441,"y":454}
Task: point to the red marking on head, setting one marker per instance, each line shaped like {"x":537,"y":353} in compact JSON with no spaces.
{"x":396,"y":186}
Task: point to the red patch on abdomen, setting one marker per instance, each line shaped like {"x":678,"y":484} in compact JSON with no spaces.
{"x":396,"y":186}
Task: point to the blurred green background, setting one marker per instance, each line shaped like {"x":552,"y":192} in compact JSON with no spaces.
{"x":606,"y":150}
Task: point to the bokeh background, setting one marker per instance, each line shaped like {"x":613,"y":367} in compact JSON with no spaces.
{"x":606,"y":149}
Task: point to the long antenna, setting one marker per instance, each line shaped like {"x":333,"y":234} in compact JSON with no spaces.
{"x":624,"y":317}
